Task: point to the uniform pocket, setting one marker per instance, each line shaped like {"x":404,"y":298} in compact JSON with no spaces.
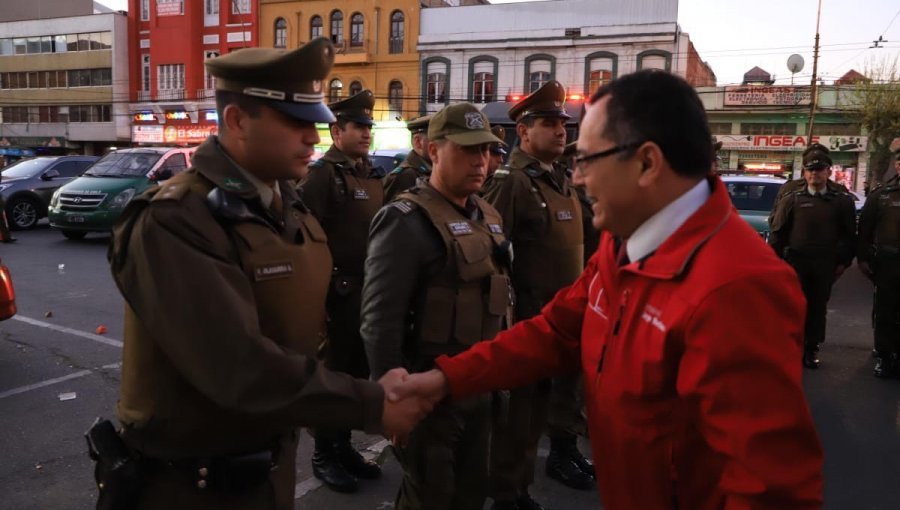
{"x":437,"y":327}
{"x":499,"y":298}
{"x":475,"y":257}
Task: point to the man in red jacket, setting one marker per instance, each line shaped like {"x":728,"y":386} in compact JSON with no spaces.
{"x":686,"y":327}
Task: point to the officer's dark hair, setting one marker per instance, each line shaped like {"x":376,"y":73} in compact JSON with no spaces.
{"x":341,"y":123}
{"x":251,"y":105}
{"x":657,"y":106}
{"x":528,"y":121}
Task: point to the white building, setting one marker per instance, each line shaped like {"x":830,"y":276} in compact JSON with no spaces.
{"x":63,"y":80}
{"x":486,"y":53}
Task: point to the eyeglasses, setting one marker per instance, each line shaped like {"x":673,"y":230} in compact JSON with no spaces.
{"x":582,"y":161}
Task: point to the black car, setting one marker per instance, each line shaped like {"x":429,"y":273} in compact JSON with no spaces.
{"x":27,"y":185}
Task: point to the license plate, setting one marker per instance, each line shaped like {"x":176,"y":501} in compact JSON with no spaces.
{"x":75,"y":218}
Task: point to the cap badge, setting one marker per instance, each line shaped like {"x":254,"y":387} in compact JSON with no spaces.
{"x":474,"y":120}
{"x":317,"y":85}
{"x":557,"y":104}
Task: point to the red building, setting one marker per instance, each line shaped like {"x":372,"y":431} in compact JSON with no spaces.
{"x":171,"y":95}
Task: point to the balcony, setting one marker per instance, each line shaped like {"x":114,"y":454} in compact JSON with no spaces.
{"x":355,"y":52}
{"x":203,"y":94}
{"x":143,"y":95}
{"x":170,"y":95}
{"x":396,"y":45}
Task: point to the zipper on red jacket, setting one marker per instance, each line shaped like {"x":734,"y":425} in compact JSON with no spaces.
{"x":616,"y":326}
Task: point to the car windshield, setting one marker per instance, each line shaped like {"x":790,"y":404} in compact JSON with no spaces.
{"x":124,"y":164}
{"x":753,"y":196}
{"x":27,"y":168}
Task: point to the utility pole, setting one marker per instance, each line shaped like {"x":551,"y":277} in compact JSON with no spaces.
{"x":814,"y":93}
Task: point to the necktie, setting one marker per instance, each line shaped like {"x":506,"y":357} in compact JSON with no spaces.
{"x":277,"y":206}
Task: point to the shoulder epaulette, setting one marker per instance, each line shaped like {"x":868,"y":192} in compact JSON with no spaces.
{"x":501,"y":172}
{"x":404,"y":206}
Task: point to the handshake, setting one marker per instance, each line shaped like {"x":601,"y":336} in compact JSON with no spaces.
{"x":408,"y":398}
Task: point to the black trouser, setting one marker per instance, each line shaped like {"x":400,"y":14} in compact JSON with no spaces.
{"x":816,"y":274}
{"x":887,"y":304}
{"x":565,"y":418}
{"x":345,"y":351}
{"x":515,"y":439}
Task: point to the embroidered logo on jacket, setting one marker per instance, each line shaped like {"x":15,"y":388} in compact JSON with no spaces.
{"x":565,"y":215}
{"x":273,"y":270}
{"x":651,"y":316}
{"x":360,"y":194}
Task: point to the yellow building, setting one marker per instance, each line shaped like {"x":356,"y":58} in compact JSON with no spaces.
{"x":375,"y":42}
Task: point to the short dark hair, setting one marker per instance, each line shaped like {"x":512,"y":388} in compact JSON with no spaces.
{"x":657,"y":106}
{"x":341,"y":123}
{"x":251,"y":105}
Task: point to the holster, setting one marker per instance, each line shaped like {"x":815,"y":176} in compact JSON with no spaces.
{"x":117,"y":472}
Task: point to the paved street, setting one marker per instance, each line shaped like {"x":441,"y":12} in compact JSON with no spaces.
{"x":57,"y":374}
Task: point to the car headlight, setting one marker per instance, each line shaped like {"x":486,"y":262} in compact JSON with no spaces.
{"x":4,"y":186}
{"x":122,"y":199}
{"x":54,"y":200}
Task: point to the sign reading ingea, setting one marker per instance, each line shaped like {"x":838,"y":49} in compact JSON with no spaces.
{"x":761,"y":95}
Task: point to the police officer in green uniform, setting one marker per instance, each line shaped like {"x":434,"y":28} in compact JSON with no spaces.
{"x":221,"y":268}
{"x":417,"y":164}
{"x":344,"y":195}
{"x":879,"y":259}
{"x":814,"y":229}
{"x":794,"y":185}
{"x":541,"y":216}
{"x":498,"y":151}
{"x":436,"y":283}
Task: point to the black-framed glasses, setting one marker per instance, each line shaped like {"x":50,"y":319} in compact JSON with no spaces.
{"x":581,"y":161}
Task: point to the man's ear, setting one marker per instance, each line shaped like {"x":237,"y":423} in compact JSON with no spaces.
{"x":235,"y":120}
{"x":521,"y":130}
{"x":650,"y":158}
{"x":432,"y":149}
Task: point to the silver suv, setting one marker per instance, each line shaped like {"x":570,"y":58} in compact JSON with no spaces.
{"x":27,"y":185}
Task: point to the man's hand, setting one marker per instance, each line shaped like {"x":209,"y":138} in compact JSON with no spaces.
{"x":402,"y":410}
{"x":431,"y":385}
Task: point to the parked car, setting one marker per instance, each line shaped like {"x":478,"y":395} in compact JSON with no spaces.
{"x":385,"y":160}
{"x":7,"y":294}
{"x":94,"y":201}
{"x":27,"y":185}
{"x":754,"y":196}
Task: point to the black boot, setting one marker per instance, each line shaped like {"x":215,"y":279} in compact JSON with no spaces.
{"x":562,"y":466}
{"x":328,"y":467}
{"x":885,"y":364}
{"x":353,"y":462}
{"x":504,"y":505}
{"x":525,"y":502}
{"x":810,"y":359}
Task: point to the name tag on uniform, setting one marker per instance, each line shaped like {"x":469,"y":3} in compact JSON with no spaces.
{"x":272,"y":271}
{"x":564,"y":215}
{"x":807,"y":204}
{"x":360,"y":194}
{"x":459,"y":228}
{"x":495,"y":229}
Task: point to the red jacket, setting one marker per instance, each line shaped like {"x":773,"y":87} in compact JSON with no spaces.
{"x":691,"y":365}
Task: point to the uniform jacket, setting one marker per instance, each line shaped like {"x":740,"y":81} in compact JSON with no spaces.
{"x":542,"y":219}
{"x":214,"y":362}
{"x":824,"y":224}
{"x":691,"y":367}
{"x":879,"y":223}
{"x":405,"y":176}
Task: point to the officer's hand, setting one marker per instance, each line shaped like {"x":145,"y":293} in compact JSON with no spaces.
{"x":431,"y":385}
{"x":402,"y":412}
{"x":865,"y":268}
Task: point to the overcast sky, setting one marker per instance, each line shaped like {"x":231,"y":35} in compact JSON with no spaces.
{"x":735,"y":35}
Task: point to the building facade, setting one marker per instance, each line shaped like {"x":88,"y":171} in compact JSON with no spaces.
{"x":487,"y":53}
{"x":763,"y":129}
{"x":375,"y":42}
{"x":63,"y":78}
{"x":172,"y":96}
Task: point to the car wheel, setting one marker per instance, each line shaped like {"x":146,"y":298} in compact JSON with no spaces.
{"x":74,"y":234}
{"x":22,"y":213}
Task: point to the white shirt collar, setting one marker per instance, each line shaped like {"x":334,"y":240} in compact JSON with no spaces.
{"x":813,"y":191}
{"x":653,"y":232}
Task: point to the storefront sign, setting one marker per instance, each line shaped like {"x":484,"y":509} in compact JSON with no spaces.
{"x":753,"y":95}
{"x":194,"y":134}
{"x":144,"y":117}
{"x":177,"y":115}
{"x":147,"y":134}
{"x":169,"y":7}
{"x":791,"y":142}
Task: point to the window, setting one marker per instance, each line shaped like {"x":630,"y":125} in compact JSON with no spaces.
{"x":483,"y":87}
{"x":436,"y":85}
{"x":397,"y":32}
{"x":169,"y":7}
{"x":71,"y":168}
{"x":720,"y":128}
{"x":334,"y":90}
{"x":145,"y":10}
{"x":59,"y":44}
{"x":90,"y":113}
{"x":170,"y":77}
{"x":356,"y":30}
{"x":240,"y":6}
{"x":395,"y":97}
{"x":337,"y":27}
{"x":280,"y":33}
{"x":747,"y":196}
{"x":654,"y":59}
{"x":315,"y":27}
{"x":597,"y":79}
{"x":768,"y":129}
{"x":838,"y":129}
{"x":176,"y":163}
{"x":46,"y":44}
{"x":355,"y":88}
{"x":34,"y":45}
{"x":209,"y":81}
{"x":145,"y":73}
{"x":539,"y":69}
{"x":21,"y":45}
{"x":212,"y":7}
{"x":6,"y":47}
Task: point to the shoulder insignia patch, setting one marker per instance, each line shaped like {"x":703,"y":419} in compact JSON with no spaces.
{"x":235,"y":184}
{"x":501,"y":172}
{"x":404,"y":206}
{"x":495,"y":228}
